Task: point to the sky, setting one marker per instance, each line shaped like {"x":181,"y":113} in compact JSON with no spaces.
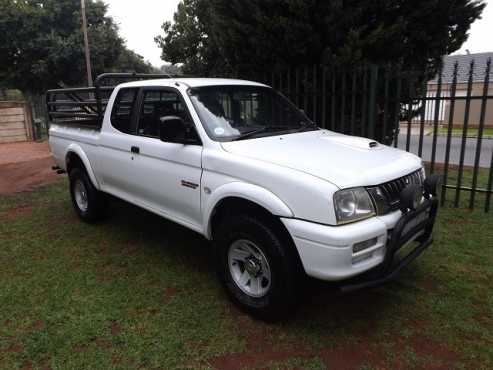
{"x":140,"y":21}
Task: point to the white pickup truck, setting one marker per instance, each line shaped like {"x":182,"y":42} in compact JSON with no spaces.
{"x":238,"y":163}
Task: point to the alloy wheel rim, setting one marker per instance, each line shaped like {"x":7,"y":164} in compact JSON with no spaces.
{"x":80,"y":194}
{"x":249,"y":268}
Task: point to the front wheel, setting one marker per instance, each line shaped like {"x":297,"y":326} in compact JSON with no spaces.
{"x":89,"y":203}
{"x":257,"y":266}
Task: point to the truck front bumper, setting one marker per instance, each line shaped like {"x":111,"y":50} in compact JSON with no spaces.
{"x":365,"y":251}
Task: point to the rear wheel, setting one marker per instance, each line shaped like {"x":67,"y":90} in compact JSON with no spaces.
{"x":89,"y":203}
{"x":257,"y":266}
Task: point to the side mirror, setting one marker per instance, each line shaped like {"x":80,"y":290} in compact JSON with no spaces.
{"x":172,"y":129}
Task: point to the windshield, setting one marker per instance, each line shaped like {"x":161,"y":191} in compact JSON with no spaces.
{"x":236,"y":112}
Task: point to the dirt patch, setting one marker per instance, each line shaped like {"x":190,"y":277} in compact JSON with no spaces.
{"x":169,"y":293}
{"x":23,"y":152}
{"x":15,"y":212}
{"x":260,"y":347}
{"x":24,"y":167}
{"x":103,"y":343}
{"x":353,"y":356}
{"x":13,"y":348}
{"x":439,"y":355}
{"x":430,"y":285}
{"x":38,"y":325}
{"x":350,"y":356}
{"x":237,"y":361}
{"x":265,"y":344}
{"x":131,"y":249}
{"x":115,"y":328}
{"x":81,"y":348}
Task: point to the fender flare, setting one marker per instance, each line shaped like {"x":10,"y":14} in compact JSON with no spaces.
{"x":253,"y":193}
{"x":76,"y":149}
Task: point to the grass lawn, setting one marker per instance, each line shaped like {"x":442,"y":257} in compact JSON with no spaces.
{"x":467,"y":181}
{"x":139,"y":292}
{"x":487,"y":132}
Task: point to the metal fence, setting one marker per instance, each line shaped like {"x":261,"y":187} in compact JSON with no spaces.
{"x":448,"y":121}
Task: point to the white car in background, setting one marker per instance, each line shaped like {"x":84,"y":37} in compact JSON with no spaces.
{"x":238,"y":163}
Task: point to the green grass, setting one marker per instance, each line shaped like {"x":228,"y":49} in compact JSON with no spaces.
{"x":138,"y":291}
{"x":487,"y":132}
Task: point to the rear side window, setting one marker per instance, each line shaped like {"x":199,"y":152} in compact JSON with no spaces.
{"x":123,"y":108}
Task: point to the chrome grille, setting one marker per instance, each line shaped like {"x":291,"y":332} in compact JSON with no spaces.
{"x":391,"y":190}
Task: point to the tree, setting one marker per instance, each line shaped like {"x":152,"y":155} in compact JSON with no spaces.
{"x":171,"y":69}
{"x":186,"y":40}
{"x":236,"y":36}
{"x":41,"y":44}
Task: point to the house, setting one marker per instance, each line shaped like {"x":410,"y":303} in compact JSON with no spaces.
{"x":478,"y":77}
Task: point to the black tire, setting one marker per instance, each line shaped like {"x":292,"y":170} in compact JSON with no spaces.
{"x":285,"y":267}
{"x":97,"y":202}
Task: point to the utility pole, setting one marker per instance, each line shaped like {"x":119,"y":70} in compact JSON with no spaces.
{"x":86,"y":43}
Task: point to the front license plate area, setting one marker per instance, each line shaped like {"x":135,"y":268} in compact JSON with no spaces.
{"x":418,"y":220}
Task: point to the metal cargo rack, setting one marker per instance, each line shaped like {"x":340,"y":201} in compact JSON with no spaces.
{"x":85,"y":106}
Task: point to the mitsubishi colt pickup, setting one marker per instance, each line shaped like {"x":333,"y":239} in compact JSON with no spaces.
{"x":237,"y":162}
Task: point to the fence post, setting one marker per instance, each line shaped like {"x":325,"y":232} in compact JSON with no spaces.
{"x":333,"y":100}
{"x":372,"y":101}
{"x":324,"y":97}
{"x":435,"y":120}
{"x":385,"y":103}
{"x":397,"y":111}
{"x":343,"y":100}
{"x":449,"y":131}
{"x":315,"y":93}
{"x":484,"y":101}
{"x":353,"y":102}
{"x":464,"y":134}
{"x":410,"y":91}
{"x":422,"y":120}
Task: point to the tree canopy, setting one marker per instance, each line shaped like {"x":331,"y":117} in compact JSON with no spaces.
{"x":236,"y":36}
{"x":41,"y":44}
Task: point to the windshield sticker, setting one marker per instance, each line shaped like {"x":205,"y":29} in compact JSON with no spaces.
{"x":219,"y":131}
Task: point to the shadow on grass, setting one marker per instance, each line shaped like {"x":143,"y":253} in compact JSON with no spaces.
{"x":319,"y":300}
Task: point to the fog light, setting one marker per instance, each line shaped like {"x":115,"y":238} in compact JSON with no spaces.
{"x":358,"y":247}
{"x":362,"y":258}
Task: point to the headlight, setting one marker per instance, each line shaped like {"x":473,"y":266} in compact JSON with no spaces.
{"x":352,"y":205}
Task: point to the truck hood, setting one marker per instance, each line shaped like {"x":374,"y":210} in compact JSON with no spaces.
{"x":345,"y":161}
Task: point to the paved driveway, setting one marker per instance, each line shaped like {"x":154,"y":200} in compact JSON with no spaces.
{"x":455,"y":147}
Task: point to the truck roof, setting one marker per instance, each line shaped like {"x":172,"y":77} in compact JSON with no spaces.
{"x":191,"y":82}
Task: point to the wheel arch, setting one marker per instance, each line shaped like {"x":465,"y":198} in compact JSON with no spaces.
{"x":76,"y":157}
{"x":244,"y":194}
{"x":242,"y":205}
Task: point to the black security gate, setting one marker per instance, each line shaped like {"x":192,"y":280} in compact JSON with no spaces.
{"x":448,"y":121}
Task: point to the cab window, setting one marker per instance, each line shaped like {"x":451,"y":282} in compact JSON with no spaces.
{"x":157,"y":104}
{"x":121,"y":115}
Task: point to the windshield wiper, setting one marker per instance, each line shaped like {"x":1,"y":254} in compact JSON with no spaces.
{"x":251,"y":133}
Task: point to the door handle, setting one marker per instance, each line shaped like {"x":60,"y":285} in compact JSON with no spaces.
{"x":135,"y":149}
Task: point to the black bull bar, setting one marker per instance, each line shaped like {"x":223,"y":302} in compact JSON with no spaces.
{"x":417,"y":224}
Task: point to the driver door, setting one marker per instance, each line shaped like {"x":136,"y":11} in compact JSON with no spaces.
{"x":167,"y":175}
